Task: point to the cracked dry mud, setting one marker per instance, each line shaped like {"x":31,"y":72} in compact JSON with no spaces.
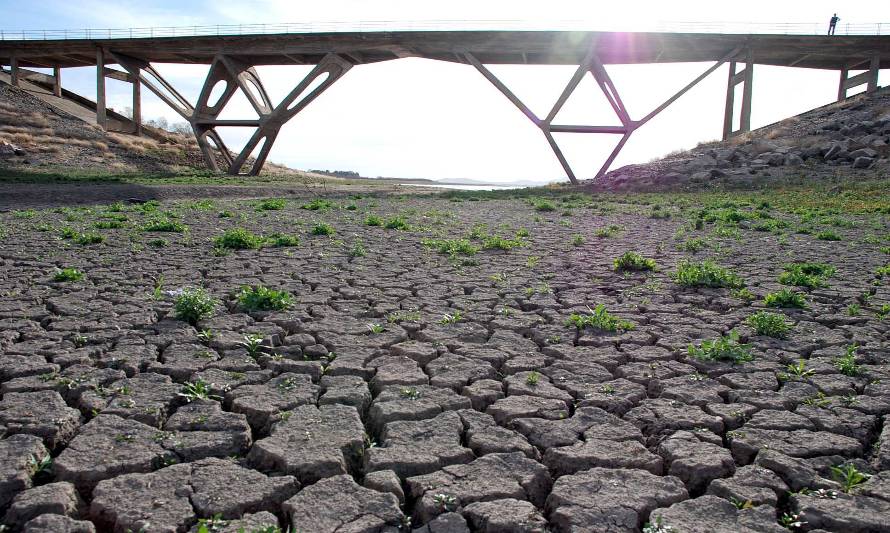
{"x":501,"y":419}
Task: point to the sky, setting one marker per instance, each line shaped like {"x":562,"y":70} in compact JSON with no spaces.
{"x":417,"y":118}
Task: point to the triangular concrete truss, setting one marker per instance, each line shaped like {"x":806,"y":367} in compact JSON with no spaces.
{"x":594,"y":66}
{"x":235,"y":74}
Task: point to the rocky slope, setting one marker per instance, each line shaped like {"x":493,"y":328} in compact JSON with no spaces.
{"x":36,"y":137}
{"x":849,"y":139}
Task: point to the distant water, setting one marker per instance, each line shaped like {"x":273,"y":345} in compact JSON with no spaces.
{"x":466,"y":187}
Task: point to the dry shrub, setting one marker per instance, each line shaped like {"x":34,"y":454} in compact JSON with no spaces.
{"x":23,"y":119}
{"x":32,"y":131}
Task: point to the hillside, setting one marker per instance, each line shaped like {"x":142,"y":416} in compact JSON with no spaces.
{"x":848,"y":140}
{"x":36,"y":137}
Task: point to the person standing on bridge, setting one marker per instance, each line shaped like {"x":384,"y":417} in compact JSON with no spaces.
{"x":832,"y":24}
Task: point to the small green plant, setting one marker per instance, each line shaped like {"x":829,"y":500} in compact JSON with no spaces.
{"x":846,"y":363}
{"x":197,"y":390}
{"x":848,"y":476}
{"x":252,"y":343}
{"x":797,"y":371}
{"x":205,"y":336}
{"x":810,"y":275}
{"x":238,"y":239}
{"x":409,"y":393}
{"x":158,"y":243}
{"x":828,"y":235}
{"x":260,"y":298}
{"x":694,"y":245}
{"x":322,"y":228}
{"x":532,"y":378}
{"x":451,"y":318}
{"x":854,"y":310}
{"x":883,"y":312}
{"x":633,"y":262}
{"x":399,"y":223}
{"x":446,"y":502}
{"x":544,"y":206}
{"x":40,"y":466}
{"x":494,"y":242}
{"x":723,"y":348}
{"x":282,"y":240}
{"x":193,"y":305}
{"x":819,"y":400}
{"x":883,"y":271}
{"x":358,"y":249}
{"x":769,"y":324}
{"x":599,"y":319}
{"x":319,"y":204}
{"x":451,"y":247}
{"x":376,"y":328}
{"x":68,"y":274}
{"x":785,"y":298}
{"x":609,"y":231}
{"x":164,"y":224}
{"x":271,"y":204}
{"x":791,"y":521}
{"x":658,"y":526}
{"x":373,"y":220}
{"x":88,"y":238}
{"x":706,"y":274}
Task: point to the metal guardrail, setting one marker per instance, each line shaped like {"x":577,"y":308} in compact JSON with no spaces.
{"x":876,"y":28}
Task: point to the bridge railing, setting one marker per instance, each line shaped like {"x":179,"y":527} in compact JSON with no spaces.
{"x":795,"y":28}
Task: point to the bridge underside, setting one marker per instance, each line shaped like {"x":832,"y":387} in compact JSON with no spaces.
{"x":233,"y":59}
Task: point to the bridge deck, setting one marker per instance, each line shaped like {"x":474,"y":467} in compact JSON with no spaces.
{"x":490,"y":47}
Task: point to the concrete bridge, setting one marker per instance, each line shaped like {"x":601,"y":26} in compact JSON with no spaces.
{"x":232,"y":59}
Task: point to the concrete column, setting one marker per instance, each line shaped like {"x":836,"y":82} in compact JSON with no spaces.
{"x":101,"y":118}
{"x":57,"y":81}
{"x":842,"y":86}
{"x":14,"y":69}
{"x":137,"y":103}
{"x":745,"y":124}
{"x":730,"y":102}
{"x":873,"y":71}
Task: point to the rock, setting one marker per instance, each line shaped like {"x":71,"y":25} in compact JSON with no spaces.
{"x":385,"y":481}
{"x":601,"y":453}
{"x":854,"y":514}
{"x":312,"y":443}
{"x":793,"y":160}
{"x":222,"y":487}
{"x":20,"y":456}
{"x":796,"y":443}
{"x":109,"y":446}
{"x":262,"y":521}
{"x":55,"y":498}
{"x":260,"y":402}
{"x":505,"y":516}
{"x":610,"y":500}
{"x":168,"y":499}
{"x":412,"y":448}
{"x":202,"y":429}
{"x":709,"y":514}
{"x":498,"y":475}
{"x":863,"y":162}
{"x":445,"y":523}
{"x":146,"y":398}
{"x":752,"y":483}
{"x":53,"y":523}
{"x":484,"y":436}
{"x":697,"y":463}
{"x":507,"y":409}
{"x":864,"y":152}
{"x":413,"y":403}
{"x":42,"y":413}
{"x":159,"y":500}
{"x":339,"y":504}
{"x":660,"y":416}
{"x":345,"y":390}
{"x":597,"y":423}
{"x":796,"y":473}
